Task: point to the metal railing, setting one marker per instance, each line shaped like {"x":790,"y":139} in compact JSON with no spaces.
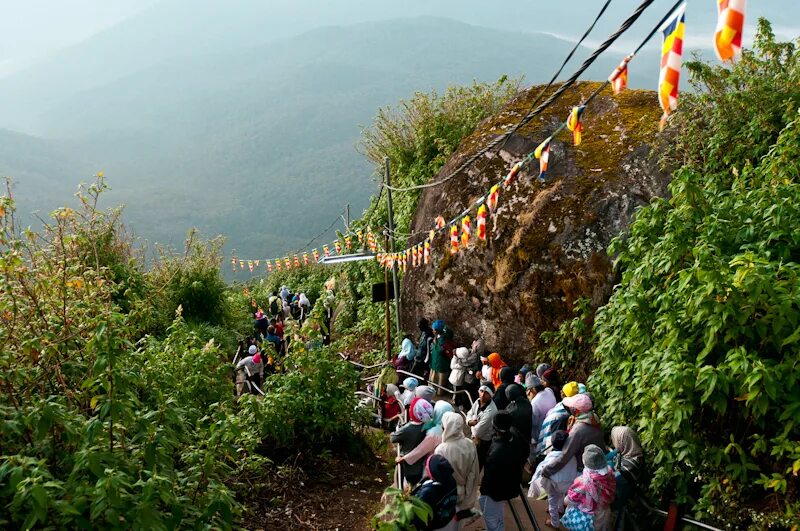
{"x":681,"y":518}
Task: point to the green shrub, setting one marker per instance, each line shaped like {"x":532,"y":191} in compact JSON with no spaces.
{"x":698,"y":347}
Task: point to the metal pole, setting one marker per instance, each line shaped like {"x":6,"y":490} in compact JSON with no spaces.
{"x":395,"y":281}
{"x":386,"y":308}
{"x":347,"y":217}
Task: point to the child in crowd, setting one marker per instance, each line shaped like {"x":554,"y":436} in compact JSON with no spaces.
{"x":556,"y":486}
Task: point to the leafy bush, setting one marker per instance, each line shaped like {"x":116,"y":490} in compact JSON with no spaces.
{"x":698,"y":347}
{"x":95,"y":431}
{"x":400,"y":512}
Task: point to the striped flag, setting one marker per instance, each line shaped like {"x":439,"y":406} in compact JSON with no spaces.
{"x":513,"y":173}
{"x":326,"y":250}
{"x":482,"y":222}
{"x":349,"y":242}
{"x":574,"y":123}
{"x":337,"y":246}
{"x":269,"y":266}
{"x":543,"y":154}
{"x":241,"y":265}
{"x":439,"y":222}
{"x":426,"y":253}
{"x":619,"y":77}
{"x":296,"y":260}
{"x":453,"y":239}
{"x":671,"y":62}
{"x":305,"y":258}
{"x":250,"y":265}
{"x":287,"y":262}
{"x":431,"y":234}
{"x":278,"y":264}
{"x":258,"y":263}
{"x":315,"y":254}
{"x":730,"y":25}
{"x":494,"y":194}
{"x":233,"y":262}
{"x":466,"y":231}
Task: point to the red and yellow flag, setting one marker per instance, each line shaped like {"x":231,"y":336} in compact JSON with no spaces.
{"x":287,"y":262}
{"x":278,"y":264}
{"x":305,"y":258}
{"x":511,"y":174}
{"x":619,"y":77}
{"x":466,"y":231}
{"x":671,"y":62}
{"x":575,"y":125}
{"x":543,"y":154}
{"x":233,"y":262}
{"x":482,"y":222}
{"x":426,"y":253}
{"x":338,"y":247}
{"x":269,"y":266}
{"x":296,"y":260}
{"x":494,"y":195}
{"x":326,"y":250}
{"x":315,"y":254}
{"x":453,"y":239}
{"x":730,"y":26}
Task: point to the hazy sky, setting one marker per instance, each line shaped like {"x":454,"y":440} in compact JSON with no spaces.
{"x":32,"y":28}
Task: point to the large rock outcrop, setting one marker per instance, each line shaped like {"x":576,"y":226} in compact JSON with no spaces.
{"x":547,"y":243}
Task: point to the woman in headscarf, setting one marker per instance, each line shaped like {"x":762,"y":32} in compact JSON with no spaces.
{"x":438,"y":491}
{"x":627,"y":461}
{"x":521,"y":412}
{"x":496,"y":363}
{"x":405,"y":358}
{"x":506,"y":378}
{"x":463,"y":456}
{"x":590,"y":496}
{"x":410,"y":435}
{"x":584,"y":430}
{"x":433,"y":435}
{"x":410,"y":385}
{"x":441,"y":353}
{"x":461,"y":376}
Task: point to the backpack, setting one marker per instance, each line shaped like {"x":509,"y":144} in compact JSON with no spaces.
{"x":274,"y":309}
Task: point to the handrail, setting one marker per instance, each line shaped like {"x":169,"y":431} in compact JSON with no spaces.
{"x":683,"y":518}
{"x":471,"y":401}
{"x":362,"y":366}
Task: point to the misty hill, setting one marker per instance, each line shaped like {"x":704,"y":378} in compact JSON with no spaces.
{"x":259,"y":143}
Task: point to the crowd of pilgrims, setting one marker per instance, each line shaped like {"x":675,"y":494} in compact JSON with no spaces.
{"x":468,"y":459}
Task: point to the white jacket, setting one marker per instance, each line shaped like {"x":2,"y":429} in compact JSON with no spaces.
{"x":460,"y":366}
{"x":463,"y":457}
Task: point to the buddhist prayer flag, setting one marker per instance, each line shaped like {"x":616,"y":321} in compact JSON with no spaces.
{"x":482,"y":222}
{"x":671,"y":62}
{"x":305,"y":258}
{"x":296,"y":261}
{"x":241,"y":265}
{"x":326,"y":250}
{"x":619,"y":77}
{"x":730,"y":26}
{"x":494,"y":194}
{"x":277,"y":264}
{"x":269,"y":266}
{"x":338,"y":247}
{"x":574,"y":123}
{"x":440,"y":222}
{"x":426,"y":254}
{"x":315,"y":254}
{"x":513,"y":173}
{"x":453,"y":239}
{"x":287,"y":262}
{"x":349,"y":242}
{"x":233,"y":262}
{"x":360,"y":236}
{"x":466,"y":232}
{"x":250,"y":265}
{"x":543,"y":154}
{"x":431,"y":234}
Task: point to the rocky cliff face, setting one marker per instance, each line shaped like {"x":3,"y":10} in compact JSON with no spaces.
{"x":547,"y":242}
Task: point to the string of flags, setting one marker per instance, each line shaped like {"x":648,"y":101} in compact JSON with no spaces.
{"x":728,"y":39}
{"x":728,"y":46}
{"x":296,"y":260}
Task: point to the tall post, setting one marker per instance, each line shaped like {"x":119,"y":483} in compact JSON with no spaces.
{"x":395,"y":281}
{"x":347,"y":218}
{"x":386,"y":306}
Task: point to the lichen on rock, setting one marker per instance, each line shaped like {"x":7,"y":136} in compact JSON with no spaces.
{"x":546,"y":244}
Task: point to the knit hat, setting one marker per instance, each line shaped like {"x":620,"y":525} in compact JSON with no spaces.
{"x":438,"y":325}
{"x":541,"y":368}
{"x":502,"y":421}
{"x":551,"y":376}
{"x":410,"y":383}
{"x":524,"y":370}
{"x":462,"y":352}
{"x":252,"y":350}
{"x":582,"y":388}
{"x":257,"y":357}
{"x":594,"y":458}
{"x":532,"y":381}
{"x":578,"y":403}
{"x":423,"y":410}
{"x":570,"y":389}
